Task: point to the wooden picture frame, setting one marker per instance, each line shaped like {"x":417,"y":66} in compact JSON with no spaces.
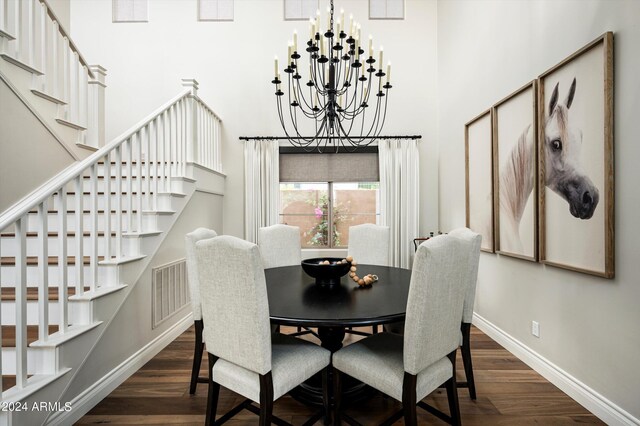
{"x":479,"y":178}
{"x":576,"y":175}
{"x":515,"y":161}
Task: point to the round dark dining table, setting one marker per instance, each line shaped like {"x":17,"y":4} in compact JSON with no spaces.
{"x":296,"y":300}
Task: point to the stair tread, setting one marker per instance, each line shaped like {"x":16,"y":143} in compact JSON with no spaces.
{"x":9,"y":334}
{"x":9,"y":293}
{"x":52,"y":260}
{"x":112,"y":193}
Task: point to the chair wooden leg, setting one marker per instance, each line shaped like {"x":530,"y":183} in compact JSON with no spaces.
{"x":197,"y":356}
{"x":326,"y":396}
{"x":409,"y":399}
{"x":214,"y":391}
{"x":266,"y":399}
{"x":452,"y":393}
{"x":466,"y":358}
{"x":337,"y":396}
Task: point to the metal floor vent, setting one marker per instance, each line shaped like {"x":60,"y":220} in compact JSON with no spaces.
{"x":169,"y":290}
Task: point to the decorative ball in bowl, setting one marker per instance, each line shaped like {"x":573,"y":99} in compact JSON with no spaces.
{"x":326,"y":270}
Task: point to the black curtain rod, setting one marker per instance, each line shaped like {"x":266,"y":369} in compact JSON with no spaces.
{"x":275,"y":138}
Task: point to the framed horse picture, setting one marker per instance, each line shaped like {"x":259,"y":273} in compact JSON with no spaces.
{"x":515,"y":162}
{"x":575,"y":126}
{"x":479,"y":178}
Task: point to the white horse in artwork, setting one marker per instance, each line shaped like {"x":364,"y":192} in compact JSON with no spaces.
{"x":563,"y":174}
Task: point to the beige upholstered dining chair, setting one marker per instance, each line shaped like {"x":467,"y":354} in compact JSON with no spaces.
{"x":474,"y":240}
{"x":369,"y":244}
{"x":243,"y":354}
{"x":410,"y":367}
{"x":279,"y":245}
{"x":194,"y":291}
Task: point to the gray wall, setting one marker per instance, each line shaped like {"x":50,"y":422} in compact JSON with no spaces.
{"x":486,"y":50}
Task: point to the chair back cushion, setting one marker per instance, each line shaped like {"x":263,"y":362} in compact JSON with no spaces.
{"x":279,"y":245}
{"x":369,"y":244}
{"x":474,"y":240}
{"x":192,"y":267}
{"x":434,"y":306}
{"x":235,"y":308}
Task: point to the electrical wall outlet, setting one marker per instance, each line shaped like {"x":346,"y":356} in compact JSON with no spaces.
{"x":535,"y":328}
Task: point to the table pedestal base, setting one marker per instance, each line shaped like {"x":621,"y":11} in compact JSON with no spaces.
{"x":353,"y":391}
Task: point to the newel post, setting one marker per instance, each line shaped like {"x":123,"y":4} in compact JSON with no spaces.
{"x":192,"y":116}
{"x":95,"y":117}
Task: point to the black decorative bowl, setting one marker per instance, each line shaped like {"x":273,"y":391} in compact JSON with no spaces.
{"x":326,"y":275}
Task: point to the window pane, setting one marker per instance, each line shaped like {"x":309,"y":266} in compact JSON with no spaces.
{"x":354,"y":204}
{"x":306,"y":205}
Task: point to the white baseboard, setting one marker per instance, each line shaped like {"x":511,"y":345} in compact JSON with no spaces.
{"x":103,"y":387}
{"x":600,"y":406}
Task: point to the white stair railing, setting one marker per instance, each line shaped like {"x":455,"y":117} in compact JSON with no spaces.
{"x":123,"y":180}
{"x":32,"y":37}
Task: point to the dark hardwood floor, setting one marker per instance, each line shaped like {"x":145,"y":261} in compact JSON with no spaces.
{"x":509,"y":393}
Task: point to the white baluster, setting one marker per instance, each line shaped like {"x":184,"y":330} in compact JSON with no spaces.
{"x":12,"y":18}
{"x":169,"y":141}
{"x":218,"y":146}
{"x":79,"y":234}
{"x":83,"y":90}
{"x":21,"y":302}
{"x":93,"y":227}
{"x":118,"y":207}
{"x":107,"y":206}
{"x":54,"y":34}
{"x":146,"y":132}
{"x":43,"y":273}
{"x":156,"y":159}
{"x":66,"y":77}
{"x":25,"y":35}
{"x":74,"y":85}
{"x":185,"y":134}
{"x":138,"y":138}
{"x":62,"y":261}
{"x":41,"y":44}
{"x":129,"y":184}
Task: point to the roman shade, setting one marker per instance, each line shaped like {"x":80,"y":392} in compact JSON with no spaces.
{"x":341,"y":167}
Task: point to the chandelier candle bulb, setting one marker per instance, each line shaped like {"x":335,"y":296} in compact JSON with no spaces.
{"x":275,"y":69}
{"x":370,"y":46}
{"x":381,"y":54}
{"x":338,"y":26}
{"x":342,"y":18}
{"x":388,"y":72}
{"x":311,"y":32}
{"x":295,"y":40}
{"x":351,"y":24}
{"x":290,"y":49}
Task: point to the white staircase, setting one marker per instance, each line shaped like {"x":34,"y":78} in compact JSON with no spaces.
{"x":40,"y":62}
{"x":71,"y":249}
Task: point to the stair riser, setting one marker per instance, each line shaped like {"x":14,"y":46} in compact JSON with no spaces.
{"x":135,"y":185}
{"x":39,"y":361}
{"x":8,"y":246}
{"x":102,"y":202}
{"x":134,"y":171}
{"x":53,"y":223}
{"x":9,"y":314}
{"x":105,"y":275}
{"x":164,"y":202}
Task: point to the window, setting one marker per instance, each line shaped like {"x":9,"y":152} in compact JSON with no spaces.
{"x":325,"y":211}
{"x":215,"y":10}
{"x":386,"y":9}
{"x":325,"y":194}
{"x":130,"y":11}
{"x":296,"y":10}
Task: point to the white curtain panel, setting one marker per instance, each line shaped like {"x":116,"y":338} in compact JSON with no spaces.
{"x":262,"y":186}
{"x":399,"y":196}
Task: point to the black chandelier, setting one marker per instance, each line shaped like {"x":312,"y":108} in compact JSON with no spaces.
{"x":337,"y":94}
